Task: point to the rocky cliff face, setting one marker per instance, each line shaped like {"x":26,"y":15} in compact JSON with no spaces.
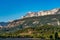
{"x":51,"y":17}
{"x":35,"y":21}
{"x":43,"y":13}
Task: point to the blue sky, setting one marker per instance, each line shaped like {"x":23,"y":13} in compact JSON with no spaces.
{"x":14,"y":9}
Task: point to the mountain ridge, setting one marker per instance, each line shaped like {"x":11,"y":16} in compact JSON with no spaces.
{"x":42,"y":13}
{"x":20,"y":22}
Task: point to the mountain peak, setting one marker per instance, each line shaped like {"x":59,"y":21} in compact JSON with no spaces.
{"x":43,"y":13}
{"x":31,"y":14}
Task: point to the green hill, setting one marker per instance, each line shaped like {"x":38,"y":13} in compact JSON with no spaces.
{"x":35,"y":27}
